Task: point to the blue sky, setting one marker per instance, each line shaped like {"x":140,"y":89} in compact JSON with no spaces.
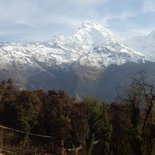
{"x":32,"y":20}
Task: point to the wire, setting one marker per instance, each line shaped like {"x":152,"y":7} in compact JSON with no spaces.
{"x":23,"y":132}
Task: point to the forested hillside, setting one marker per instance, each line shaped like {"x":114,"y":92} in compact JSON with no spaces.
{"x":39,"y":122}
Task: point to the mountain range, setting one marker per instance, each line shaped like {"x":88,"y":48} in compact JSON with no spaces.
{"x":144,"y":44}
{"x":79,"y":64}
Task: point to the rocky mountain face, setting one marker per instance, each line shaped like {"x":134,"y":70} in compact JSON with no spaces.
{"x":74,"y":63}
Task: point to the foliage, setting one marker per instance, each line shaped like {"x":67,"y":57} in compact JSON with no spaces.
{"x":87,"y":127}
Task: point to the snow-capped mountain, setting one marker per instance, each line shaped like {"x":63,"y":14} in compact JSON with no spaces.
{"x":92,"y":45}
{"x":144,"y":44}
{"x":72,"y":63}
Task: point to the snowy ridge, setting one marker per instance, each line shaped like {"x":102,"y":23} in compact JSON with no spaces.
{"x":144,"y":44}
{"x":92,"y":45}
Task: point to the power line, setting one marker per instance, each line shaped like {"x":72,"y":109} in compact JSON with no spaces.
{"x":24,"y":132}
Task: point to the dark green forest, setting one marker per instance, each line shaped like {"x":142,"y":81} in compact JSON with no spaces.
{"x":55,"y":123}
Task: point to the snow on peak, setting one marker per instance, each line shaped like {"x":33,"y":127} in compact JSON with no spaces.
{"x":152,"y":34}
{"x":94,"y":34}
{"x":92,"y":45}
{"x":145,"y":44}
{"x":92,"y":24}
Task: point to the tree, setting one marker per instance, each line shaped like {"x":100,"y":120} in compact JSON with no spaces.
{"x":121,"y":125}
{"x":99,"y":128}
{"x":10,"y":84}
{"x":79,"y":126}
{"x":143,"y":115}
{"x":134,"y":100}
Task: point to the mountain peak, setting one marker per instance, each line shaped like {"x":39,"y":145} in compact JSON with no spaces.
{"x":93,"y":33}
{"x":92,"y":24}
{"x":152,"y":34}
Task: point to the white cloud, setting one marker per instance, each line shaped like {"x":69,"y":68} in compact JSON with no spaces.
{"x":148,"y":6}
{"x":78,"y":2}
{"x":122,"y":16}
{"x":136,"y":31}
{"x":126,"y":15}
{"x":90,"y":2}
{"x":9,"y":32}
{"x":64,"y":20}
{"x":28,"y":12}
{"x":59,"y":16}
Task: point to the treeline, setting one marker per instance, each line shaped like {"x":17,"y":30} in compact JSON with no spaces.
{"x":87,"y":127}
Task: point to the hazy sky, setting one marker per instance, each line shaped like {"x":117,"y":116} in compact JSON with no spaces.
{"x":31,"y":20}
